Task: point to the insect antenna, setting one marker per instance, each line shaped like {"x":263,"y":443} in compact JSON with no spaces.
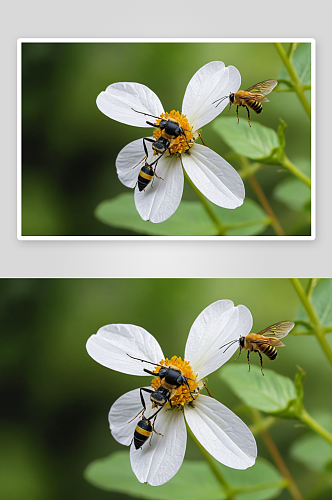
{"x":144,"y":361}
{"x":230,"y":343}
{"x":220,"y":100}
{"x":146,"y":114}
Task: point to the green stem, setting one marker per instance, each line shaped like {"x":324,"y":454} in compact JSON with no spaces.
{"x":220,"y":226}
{"x":250,"y":169}
{"x":220,"y":478}
{"x":318,"y":329}
{"x":320,"y":334}
{"x":286,"y":163}
{"x":291,"y":89}
{"x":311,"y":286}
{"x":262,"y":424}
{"x":305,"y":301}
{"x":298,"y":87}
{"x":315,"y":426}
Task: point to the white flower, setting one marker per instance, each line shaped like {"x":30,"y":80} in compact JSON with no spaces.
{"x":219,"y":430}
{"x":211,"y":174}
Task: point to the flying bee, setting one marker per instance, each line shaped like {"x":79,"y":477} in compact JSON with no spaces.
{"x":250,"y":98}
{"x":265,"y":341}
{"x":171,"y":378}
{"x":144,"y":429}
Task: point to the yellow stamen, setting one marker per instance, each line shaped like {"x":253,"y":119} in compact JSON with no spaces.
{"x":179,"y":144}
{"x":182,"y":395}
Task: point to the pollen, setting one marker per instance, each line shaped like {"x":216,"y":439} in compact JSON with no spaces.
{"x":182,"y":394}
{"x":180,"y":143}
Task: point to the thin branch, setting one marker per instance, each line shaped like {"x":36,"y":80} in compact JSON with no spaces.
{"x":261,"y":196}
{"x":292,"y":486}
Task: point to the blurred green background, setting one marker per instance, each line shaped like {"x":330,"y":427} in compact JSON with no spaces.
{"x":55,"y":399}
{"x":70,"y":147}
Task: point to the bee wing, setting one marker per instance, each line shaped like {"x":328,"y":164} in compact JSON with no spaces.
{"x":269,"y":341}
{"x":278,"y":330}
{"x":264,"y":87}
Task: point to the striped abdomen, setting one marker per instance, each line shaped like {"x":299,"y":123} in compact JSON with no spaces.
{"x":255,"y":105}
{"x":145,"y":176}
{"x":142,"y":433}
{"x":268,"y":350}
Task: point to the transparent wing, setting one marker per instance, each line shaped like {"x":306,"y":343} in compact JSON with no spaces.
{"x":267,"y":340}
{"x":278,"y":330}
{"x":264,"y":87}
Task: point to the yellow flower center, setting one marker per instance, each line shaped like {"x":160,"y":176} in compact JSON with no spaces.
{"x":180,"y":395}
{"x":184,"y":141}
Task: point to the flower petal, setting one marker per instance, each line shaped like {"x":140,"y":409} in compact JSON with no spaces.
{"x":129,"y":162}
{"x":208,"y":84}
{"x":162,"y":196}
{"x":119,"y":99}
{"x":158,"y":463}
{"x":216,"y":325}
{"x":111,"y":345}
{"x":125,"y":413}
{"x":222,"y":433}
{"x":214,"y":177}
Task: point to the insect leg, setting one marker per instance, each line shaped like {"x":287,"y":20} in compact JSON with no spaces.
{"x":201,"y":138}
{"x":158,"y":175}
{"x":261,"y":360}
{"x":239,"y":354}
{"x":230,"y":105}
{"x":237,"y":113}
{"x":248,"y":115}
{"x":145,"y":148}
{"x":187,"y":384}
{"x":248,"y":358}
{"x":209,"y":393}
{"x":154,"y":430}
{"x":154,"y":415}
{"x":142,"y":411}
{"x":184,"y":134}
{"x":141,"y":395}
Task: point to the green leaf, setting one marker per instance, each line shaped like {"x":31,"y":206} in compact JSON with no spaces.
{"x":293,"y":193}
{"x":190,"y":219}
{"x":321,"y":300}
{"x":263,"y":476}
{"x":301,"y":61}
{"x":272,"y":393}
{"x":256,"y":142}
{"x":313,"y":452}
{"x":249,"y":212}
{"x":194,"y":480}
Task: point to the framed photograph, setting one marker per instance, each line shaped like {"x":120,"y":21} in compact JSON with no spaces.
{"x":166,"y":138}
